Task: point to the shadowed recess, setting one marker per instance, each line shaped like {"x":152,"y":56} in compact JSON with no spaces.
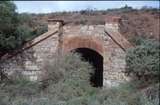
{"x":96,"y":60}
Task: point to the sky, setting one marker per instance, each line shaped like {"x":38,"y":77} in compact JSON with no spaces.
{"x":54,"y":6}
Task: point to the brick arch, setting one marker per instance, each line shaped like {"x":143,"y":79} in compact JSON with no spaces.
{"x":74,"y":42}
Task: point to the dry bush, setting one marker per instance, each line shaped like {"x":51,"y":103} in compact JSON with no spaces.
{"x":68,"y":84}
{"x":67,"y":67}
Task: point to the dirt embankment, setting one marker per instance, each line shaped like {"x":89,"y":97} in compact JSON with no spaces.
{"x":145,"y":24}
{"x":134,"y":23}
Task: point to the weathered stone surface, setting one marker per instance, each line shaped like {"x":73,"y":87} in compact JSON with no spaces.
{"x":31,"y":61}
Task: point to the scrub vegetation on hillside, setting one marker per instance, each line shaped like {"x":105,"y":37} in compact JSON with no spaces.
{"x":16,"y":29}
{"x":66,"y":78}
{"x":67,"y":83}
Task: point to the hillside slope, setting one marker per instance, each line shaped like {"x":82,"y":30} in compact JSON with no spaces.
{"x":143,"y":23}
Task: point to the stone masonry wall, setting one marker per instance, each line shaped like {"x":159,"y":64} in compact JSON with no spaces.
{"x":31,"y":61}
{"x":113,"y":55}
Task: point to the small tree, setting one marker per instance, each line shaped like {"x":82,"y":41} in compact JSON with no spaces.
{"x":16,"y":29}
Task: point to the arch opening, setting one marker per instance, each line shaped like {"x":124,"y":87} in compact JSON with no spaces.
{"x":96,"y":60}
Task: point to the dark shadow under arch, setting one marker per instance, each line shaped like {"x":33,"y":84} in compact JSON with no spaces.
{"x":96,"y":60}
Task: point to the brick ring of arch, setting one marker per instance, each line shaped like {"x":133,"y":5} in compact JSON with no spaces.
{"x":91,"y":49}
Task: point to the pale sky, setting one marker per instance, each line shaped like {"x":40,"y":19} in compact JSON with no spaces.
{"x":53,"y":6}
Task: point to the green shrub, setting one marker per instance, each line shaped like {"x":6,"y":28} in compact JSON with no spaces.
{"x":68,"y":84}
{"x":26,"y":19}
{"x":68,"y":77}
{"x":67,"y":67}
{"x":16,"y":29}
{"x":40,"y":29}
{"x":24,"y":33}
{"x":7,"y":44}
{"x":143,"y":60}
